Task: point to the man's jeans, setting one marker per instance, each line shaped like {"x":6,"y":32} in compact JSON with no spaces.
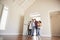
{"x":33,"y":28}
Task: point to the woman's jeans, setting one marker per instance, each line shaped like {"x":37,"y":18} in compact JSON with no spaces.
{"x":38,"y":31}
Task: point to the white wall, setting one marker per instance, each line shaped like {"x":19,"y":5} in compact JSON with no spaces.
{"x":0,"y":12}
{"x":16,"y":10}
{"x":44,"y":7}
{"x":0,"y":9}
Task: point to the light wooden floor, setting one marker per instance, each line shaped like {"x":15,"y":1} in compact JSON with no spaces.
{"x":15,"y":37}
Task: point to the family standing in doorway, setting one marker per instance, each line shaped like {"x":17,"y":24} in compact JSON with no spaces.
{"x":34,"y":25}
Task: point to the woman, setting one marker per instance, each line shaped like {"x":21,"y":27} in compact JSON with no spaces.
{"x":39,"y":23}
{"x":29,"y":28}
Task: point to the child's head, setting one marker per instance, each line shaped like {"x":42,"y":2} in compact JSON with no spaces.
{"x":40,"y":21}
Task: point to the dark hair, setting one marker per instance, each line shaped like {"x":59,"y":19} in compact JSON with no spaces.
{"x":40,"y":21}
{"x":30,"y":21}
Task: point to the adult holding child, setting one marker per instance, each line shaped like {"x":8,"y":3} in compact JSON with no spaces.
{"x":39,"y":24}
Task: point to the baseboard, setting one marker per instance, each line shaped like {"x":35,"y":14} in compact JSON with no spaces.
{"x":45,"y":35}
{"x":10,"y":33}
{"x":55,"y":35}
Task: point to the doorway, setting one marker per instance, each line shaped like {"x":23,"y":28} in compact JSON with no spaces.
{"x":29,"y":17}
{"x":55,"y":23}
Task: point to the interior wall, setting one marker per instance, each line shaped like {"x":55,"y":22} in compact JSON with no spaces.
{"x":44,"y":7}
{"x":14,"y":19}
{"x":16,"y":9}
{"x":0,"y":12}
{"x":1,"y":6}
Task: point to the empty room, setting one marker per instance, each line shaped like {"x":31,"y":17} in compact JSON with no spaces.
{"x":29,"y":19}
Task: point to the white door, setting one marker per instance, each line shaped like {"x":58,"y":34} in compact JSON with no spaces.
{"x":55,"y":25}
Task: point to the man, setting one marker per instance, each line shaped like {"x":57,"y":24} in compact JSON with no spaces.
{"x":33,"y":26}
